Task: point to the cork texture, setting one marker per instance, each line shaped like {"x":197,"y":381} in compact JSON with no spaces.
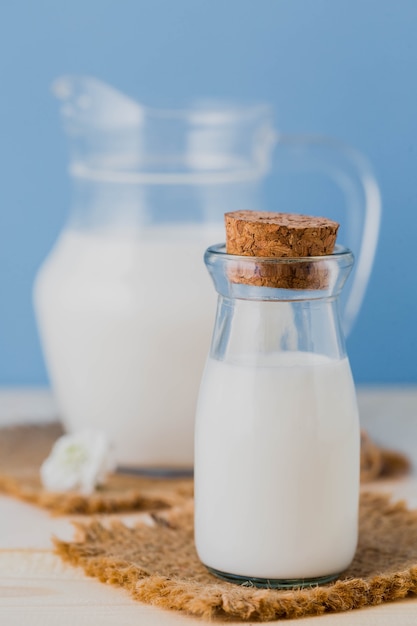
{"x":289,"y":236}
{"x":267,"y":234}
{"x":158,"y":565}
{"x":299,"y":275}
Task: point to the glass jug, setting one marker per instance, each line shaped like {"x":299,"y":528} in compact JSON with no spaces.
{"x":123,"y":302}
{"x":277,"y":426}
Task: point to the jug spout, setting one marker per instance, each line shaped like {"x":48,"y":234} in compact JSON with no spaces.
{"x":87,"y":102}
{"x":103,"y":125}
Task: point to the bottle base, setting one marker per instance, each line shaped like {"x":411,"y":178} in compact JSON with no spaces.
{"x":272,"y":583}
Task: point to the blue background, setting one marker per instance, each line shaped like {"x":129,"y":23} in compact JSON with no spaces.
{"x":346,"y":68}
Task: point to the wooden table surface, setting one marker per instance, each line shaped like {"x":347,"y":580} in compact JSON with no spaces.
{"x":36,"y":588}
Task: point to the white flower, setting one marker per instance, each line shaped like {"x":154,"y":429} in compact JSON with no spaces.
{"x":79,"y":461}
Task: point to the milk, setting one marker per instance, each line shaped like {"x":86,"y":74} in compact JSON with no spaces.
{"x":125,"y":323}
{"x":277,"y":466}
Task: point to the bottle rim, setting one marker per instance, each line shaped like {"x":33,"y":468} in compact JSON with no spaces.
{"x":339,"y":253}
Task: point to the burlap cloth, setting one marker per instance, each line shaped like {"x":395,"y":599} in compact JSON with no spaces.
{"x":23,"y":448}
{"x":158,"y":565}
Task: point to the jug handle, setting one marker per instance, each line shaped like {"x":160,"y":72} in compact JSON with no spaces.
{"x":352,"y":173}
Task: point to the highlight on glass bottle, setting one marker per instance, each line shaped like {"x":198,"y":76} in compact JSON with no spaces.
{"x":277,"y":428}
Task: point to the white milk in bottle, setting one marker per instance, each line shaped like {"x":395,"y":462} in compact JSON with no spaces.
{"x":277,"y":467}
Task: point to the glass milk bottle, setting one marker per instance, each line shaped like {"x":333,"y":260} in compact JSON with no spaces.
{"x":277,"y":428}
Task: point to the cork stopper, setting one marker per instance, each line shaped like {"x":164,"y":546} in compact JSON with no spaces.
{"x":280,"y":235}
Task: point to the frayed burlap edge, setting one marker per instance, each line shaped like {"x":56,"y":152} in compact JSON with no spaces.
{"x":109,"y":500}
{"x":378,"y":462}
{"x":223,"y":600}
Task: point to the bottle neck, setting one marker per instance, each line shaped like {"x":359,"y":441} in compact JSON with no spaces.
{"x":252,"y":330}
